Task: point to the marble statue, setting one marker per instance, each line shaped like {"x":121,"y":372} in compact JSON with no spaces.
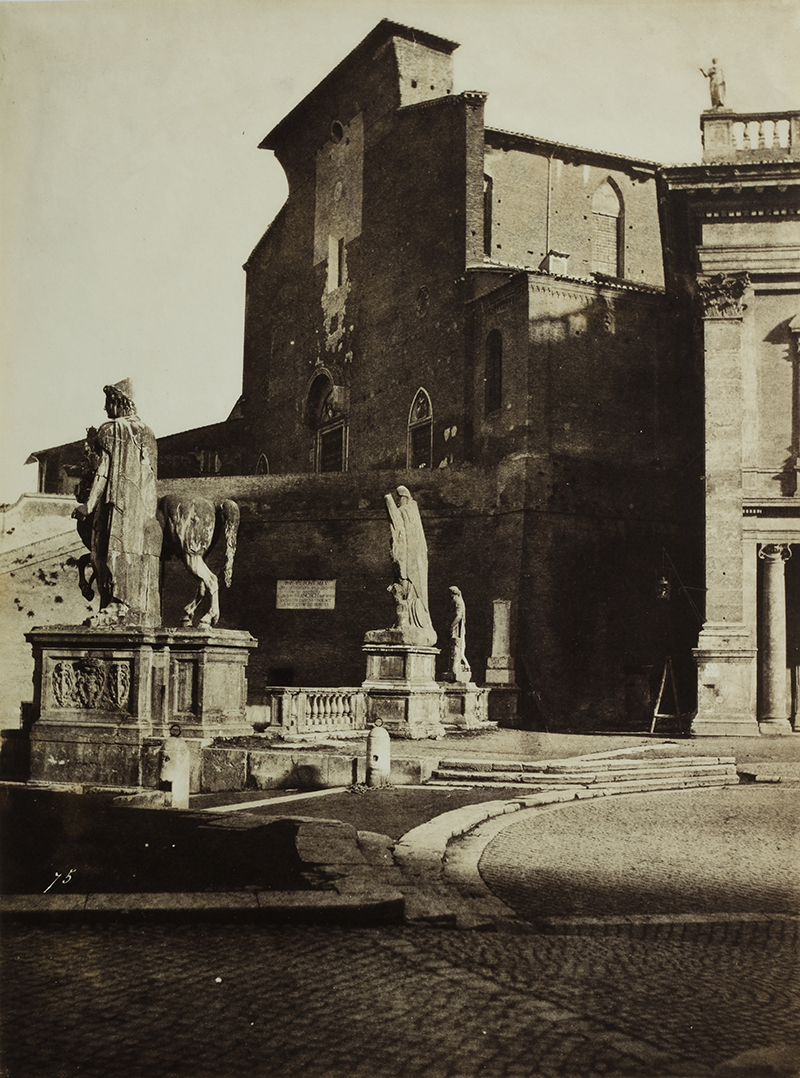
{"x":125,"y":541}
{"x":716,"y":84}
{"x":410,"y":559}
{"x":459,"y":669}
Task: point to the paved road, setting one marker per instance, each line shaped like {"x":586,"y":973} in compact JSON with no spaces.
{"x":218,"y":1001}
{"x":729,"y":850}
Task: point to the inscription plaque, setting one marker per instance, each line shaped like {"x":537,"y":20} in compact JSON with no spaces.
{"x":306,"y":595}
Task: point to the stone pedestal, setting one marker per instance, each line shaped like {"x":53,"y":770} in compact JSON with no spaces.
{"x":401,"y":689}
{"x":100,"y":693}
{"x":725,"y":658}
{"x":464,"y":704}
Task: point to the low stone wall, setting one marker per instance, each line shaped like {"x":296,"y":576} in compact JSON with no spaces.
{"x":217,"y":768}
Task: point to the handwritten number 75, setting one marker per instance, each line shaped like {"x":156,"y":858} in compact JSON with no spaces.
{"x":65,"y":878}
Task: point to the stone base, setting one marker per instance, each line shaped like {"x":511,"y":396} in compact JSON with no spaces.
{"x":99,"y":693}
{"x":463,"y":704}
{"x":725,"y":660}
{"x":774,"y":727}
{"x":402,"y":690}
{"x":503,"y":705}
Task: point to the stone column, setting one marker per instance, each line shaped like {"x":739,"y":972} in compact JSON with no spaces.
{"x":774,"y":712}
{"x":725,"y":652}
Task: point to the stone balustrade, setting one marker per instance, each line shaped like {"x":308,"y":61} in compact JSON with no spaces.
{"x":317,"y":711}
{"x":750,"y":136}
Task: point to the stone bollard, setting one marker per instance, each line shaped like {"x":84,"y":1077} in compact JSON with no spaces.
{"x":175,"y":767}
{"x":379,"y":755}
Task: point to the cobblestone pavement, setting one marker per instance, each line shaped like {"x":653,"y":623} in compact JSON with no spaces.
{"x":125,"y":1001}
{"x":640,"y":854}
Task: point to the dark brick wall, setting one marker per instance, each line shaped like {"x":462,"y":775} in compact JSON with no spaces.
{"x":400,"y":320}
{"x":579,"y":564}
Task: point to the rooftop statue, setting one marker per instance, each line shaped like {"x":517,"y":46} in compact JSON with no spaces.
{"x":410,"y":559}
{"x":125,"y":539}
{"x":716,"y":84}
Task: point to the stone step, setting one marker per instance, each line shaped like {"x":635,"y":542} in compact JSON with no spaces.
{"x":583,"y":765}
{"x":583,"y":778}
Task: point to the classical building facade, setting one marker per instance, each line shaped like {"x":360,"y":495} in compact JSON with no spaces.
{"x":733,"y":243}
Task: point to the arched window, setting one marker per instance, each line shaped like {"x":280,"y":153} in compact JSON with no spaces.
{"x":420,"y":432}
{"x":494,"y":371}
{"x":326,"y":415}
{"x":262,"y":465}
{"x":607,"y":235}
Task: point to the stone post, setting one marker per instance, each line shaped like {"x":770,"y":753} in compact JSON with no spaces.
{"x":725,"y":652}
{"x":500,"y":668}
{"x":774,"y":712}
{"x":500,"y":664}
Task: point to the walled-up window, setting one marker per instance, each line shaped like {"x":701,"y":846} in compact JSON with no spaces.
{"x":326,"y":415}
{"x":335,"y":263}
{"x":420,"y":431}
{"x":494,"y":371}
{"x":487,"y":215}
{"x":607,"y":234}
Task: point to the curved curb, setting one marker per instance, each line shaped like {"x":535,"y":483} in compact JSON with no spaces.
{"x":423,"y":848}
{"x":430,"y":851}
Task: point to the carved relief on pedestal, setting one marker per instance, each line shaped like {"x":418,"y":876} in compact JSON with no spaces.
{"x":91,"y":683}
{"x":721,"y":295}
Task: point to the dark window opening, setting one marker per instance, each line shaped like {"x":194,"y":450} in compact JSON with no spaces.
{"x":494,"y":371}
{"x":487,"y":215}
{"x":331,"y":449}
{"x":420,"y":432}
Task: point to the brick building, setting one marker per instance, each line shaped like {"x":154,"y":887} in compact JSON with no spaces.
{"x":438,"y":296}
{"x":484,"y":317}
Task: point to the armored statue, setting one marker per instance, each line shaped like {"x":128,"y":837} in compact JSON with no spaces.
{"x":125,"y":540}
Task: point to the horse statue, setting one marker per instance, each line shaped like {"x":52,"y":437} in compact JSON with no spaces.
{"x":190,"y":525}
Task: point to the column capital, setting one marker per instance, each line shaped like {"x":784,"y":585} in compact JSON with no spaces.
{"x":774,"y":552}
{"x":721,"y":295}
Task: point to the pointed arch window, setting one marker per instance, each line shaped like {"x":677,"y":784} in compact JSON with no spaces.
{"x":420,"y":431}
{"x":326,"y":416}
{"x":494,"y":371}
{"x":607,"y":230}
{"x":262,"y":465}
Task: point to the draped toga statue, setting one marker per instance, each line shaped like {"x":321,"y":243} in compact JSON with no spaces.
{"x":120,"y":508}
{"x":459,"y":669}
{"x":716,"y":84}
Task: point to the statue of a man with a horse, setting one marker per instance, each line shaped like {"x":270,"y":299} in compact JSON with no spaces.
{"x":130,"y":532}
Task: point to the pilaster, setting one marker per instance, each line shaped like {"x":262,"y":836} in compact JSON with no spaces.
{"x":726,"y":651}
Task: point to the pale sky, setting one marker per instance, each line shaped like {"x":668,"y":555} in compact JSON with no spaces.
{"x":133,"y":191}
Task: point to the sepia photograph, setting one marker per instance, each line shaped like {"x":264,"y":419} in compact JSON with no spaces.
{"x":400,"y":546}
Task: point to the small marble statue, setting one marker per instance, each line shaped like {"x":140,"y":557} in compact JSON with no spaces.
{"x":716,"y":84}
{"x":121,"y":503}
{"x":410,"y":559}
{"x":459,"y":669}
